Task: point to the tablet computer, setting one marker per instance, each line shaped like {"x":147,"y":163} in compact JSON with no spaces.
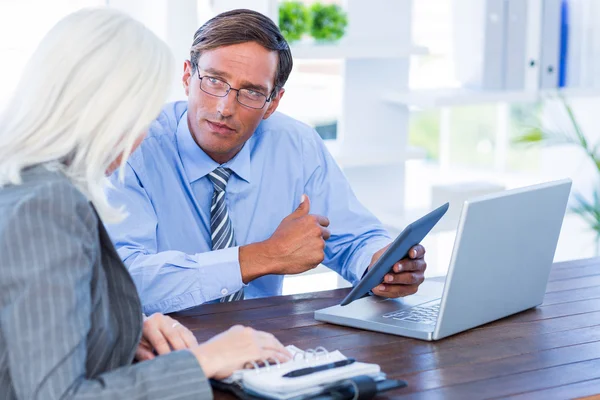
{"x":412,"y":235}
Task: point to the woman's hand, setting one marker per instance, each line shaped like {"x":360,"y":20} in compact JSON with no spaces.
{"x":161,"y":334}
{"x":231,"y":350}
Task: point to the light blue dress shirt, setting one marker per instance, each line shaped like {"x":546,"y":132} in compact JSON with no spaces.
{"x":165,"y":242}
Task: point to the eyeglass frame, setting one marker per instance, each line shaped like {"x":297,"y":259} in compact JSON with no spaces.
{"x":267,"y":98}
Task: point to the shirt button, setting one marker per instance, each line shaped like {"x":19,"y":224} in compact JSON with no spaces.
{"x":224,"y":291}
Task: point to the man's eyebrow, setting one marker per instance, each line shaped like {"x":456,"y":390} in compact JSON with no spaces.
{"x":245,"y":84}
{"x":254,"y":86}
{"x":216,"y":72}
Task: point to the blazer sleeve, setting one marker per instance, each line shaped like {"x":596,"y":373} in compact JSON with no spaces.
{"x":47,"y":253}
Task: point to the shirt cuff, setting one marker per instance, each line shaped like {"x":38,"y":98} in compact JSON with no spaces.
{"x":363,"y":259}
{"x":222,"y":269}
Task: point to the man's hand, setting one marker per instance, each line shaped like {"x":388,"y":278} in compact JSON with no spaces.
{"x":160,"y":335}
{"x":405,"y":276}
{"x":297,"y":245}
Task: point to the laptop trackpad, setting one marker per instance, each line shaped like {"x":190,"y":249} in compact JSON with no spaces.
{"x":376,"y":306}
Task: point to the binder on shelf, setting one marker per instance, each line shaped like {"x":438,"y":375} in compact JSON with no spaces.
{"x":532,"y":62}
{"x":515,"y":62}
{"x":588,"y":46}
{"x":575,"y":43}
{"x":563,"y":65}
{"x":550,"y":44}
{"x":593,"y":58}
{"x":479,"y":43}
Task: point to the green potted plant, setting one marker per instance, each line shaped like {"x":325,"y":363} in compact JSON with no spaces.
{"x":294,"y":19}
{"x":328,"y":22}
{"x":587,"y":209}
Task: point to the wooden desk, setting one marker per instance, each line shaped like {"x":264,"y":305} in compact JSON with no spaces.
{"x":552,"y":351}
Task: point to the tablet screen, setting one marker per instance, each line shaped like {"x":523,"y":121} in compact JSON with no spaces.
{"x":412,"y":235}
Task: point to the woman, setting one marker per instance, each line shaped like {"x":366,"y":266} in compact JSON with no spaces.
{"x":70,"y":319}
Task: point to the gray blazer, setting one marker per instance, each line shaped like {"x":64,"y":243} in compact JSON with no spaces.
{"x":70,"y":316}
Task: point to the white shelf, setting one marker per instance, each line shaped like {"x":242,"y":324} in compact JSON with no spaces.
{"x":432,"y":98}
{"x":576,"y":92}
{"x":412,"y":153}
{"x":311,"y":50}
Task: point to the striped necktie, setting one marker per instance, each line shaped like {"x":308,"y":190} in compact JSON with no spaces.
{"x":220,"y":225}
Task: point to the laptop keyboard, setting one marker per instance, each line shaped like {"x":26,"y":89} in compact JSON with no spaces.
{"x":421,"y":314}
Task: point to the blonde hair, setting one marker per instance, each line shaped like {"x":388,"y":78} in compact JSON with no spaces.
{"x":91,"y":88}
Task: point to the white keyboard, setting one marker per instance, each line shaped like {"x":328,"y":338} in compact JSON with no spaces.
{"x":421,"y":314}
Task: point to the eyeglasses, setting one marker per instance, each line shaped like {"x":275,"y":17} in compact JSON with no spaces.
{"x":247,"y":97}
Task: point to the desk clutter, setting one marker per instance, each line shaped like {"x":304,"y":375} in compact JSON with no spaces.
{"x":311,"y":374}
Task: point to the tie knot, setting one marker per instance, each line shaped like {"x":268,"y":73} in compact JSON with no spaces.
{"x":219,"y":178}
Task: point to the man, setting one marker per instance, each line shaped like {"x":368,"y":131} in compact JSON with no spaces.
{"x":226,"y":196}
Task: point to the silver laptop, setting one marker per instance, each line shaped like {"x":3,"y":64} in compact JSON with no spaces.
{"x":503,"y":252}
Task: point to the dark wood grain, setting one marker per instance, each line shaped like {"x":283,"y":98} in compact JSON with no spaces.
{"x":550,"y":352}
{"x":570,"y":273}
{"x":578,"y":389}
{"x":566,"y":296}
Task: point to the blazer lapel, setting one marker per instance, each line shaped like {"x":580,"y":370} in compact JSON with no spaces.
{"x":126,"y":299}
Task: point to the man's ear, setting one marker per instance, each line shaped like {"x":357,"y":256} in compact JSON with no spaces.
{"x":274,"y":103}
{"x":187,"y":76}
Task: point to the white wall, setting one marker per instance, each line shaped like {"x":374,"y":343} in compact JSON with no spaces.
{"x":173,"y":21}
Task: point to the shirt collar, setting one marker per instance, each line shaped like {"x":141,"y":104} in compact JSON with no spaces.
{"x":198,"y":164}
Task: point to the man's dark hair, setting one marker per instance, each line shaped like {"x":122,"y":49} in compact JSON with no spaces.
{"x":242,"y":26}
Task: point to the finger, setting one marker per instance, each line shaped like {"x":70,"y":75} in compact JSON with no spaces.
{"x":157,"y":340}
{"x":323,"y":221}
{"x":171,"y":330}
{"x":417,"y":251}
{"x":325,"y":233}
{"x":269,"y":341}
{"x":404,"y":278}
{"x":381,"y":290}
{"x":303,"y":209}
{"x":237,"y":328}
{"x":393,"y":291}
{"x":144,"y":342}
{"x":188,"y":337}
{"x":418,"y":265}
{"x":271,"y":355}
{"x":143,"y":354}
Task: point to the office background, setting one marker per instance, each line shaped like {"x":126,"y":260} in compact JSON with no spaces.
{"x":420,"y":101}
